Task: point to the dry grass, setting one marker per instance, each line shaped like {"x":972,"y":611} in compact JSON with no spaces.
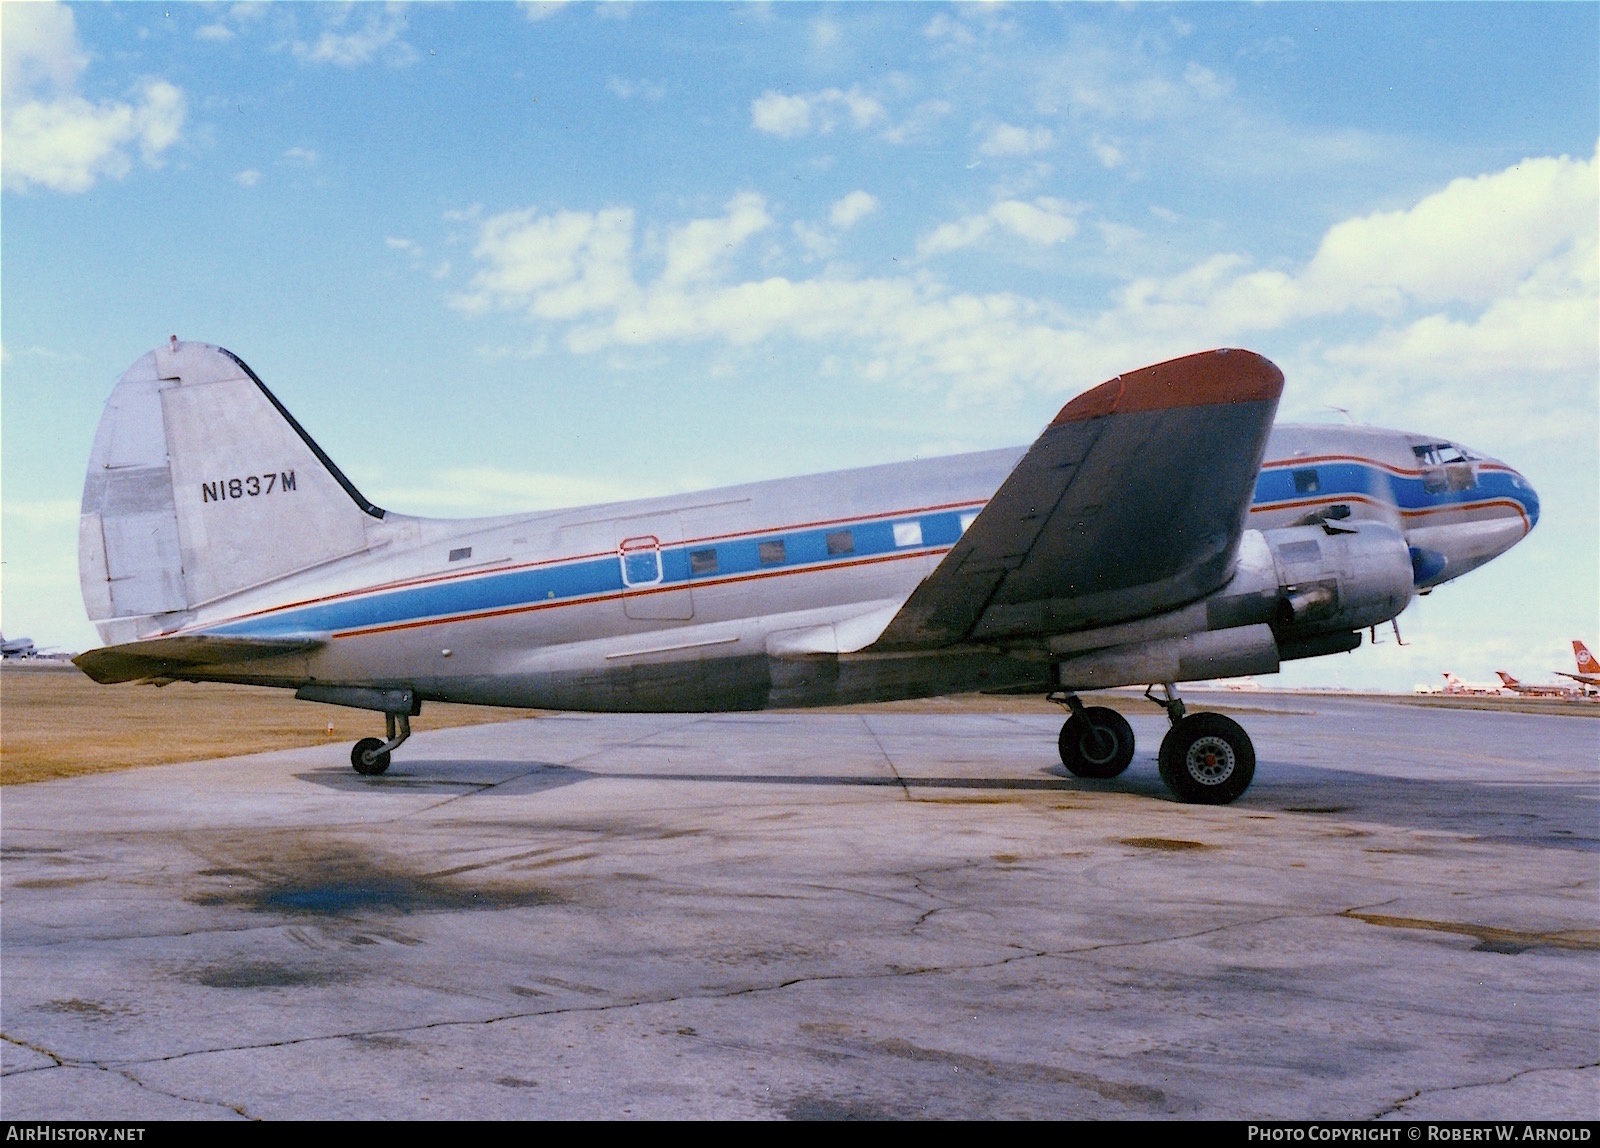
{"x":54,"y":722}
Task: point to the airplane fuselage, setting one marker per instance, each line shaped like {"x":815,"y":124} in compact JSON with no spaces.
{"x":763,"y":594}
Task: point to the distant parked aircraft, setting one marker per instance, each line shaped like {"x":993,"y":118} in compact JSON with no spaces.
{"x":1455,"y":686}
{"x":1159,"y":530}
{"x":1588,"y":668}
{"x":1550,"y":691}
{"x":16,"y":647}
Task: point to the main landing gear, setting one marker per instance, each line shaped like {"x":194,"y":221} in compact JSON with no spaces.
{"x":371,"y":756}
{"x":1205,"y":758}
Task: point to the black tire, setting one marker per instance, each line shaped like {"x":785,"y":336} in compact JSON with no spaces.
{"x":1102,"y":748}
{"x":358,"y":757}
{"x":1207,"y":759}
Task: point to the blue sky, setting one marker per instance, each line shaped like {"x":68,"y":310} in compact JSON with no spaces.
{"x":497,"y":257}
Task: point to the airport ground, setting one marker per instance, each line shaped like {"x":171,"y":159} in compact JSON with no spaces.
{"x":899,"y":912}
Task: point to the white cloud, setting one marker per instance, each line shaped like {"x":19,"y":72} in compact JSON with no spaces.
{"x":942,"y":27}
{"x":1477,"y":244}
{"x":1490,"y":278}
{"x":1464,"y":243}
{"x":1044,"y":222}
{"x":781,"y":115}
{"x":215,"y":33}
{"x":1010,"y":140}
{"x":789,"y":116}
{"x":1109,"y":155}
{"x":963,"y":232}
{"x":817,"y":242}
{"x":1206,"y":82}
{"x":248,"y":178}
{"x":852,"y":209}
{"x":51,"y":136}
{"x":377,"y":32}
{"x":559,"y":266}
{"x":698,"y":250}
{"x":303,"y":155}
{"x":396,"y":243}
{"x":918,"y":123}
{"x":627,"y":89}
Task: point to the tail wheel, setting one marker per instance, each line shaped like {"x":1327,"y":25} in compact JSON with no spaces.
{"x":1207,"y":759}
{"x":1100,"y":747}
{"x":367,"y":762}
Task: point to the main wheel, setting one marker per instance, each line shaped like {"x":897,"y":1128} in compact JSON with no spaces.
{"x":1101,"y":748}
{"x":1207,"y":759}
{"x":358,"y":757}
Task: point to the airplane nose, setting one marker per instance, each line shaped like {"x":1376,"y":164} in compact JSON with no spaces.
{"x":1528,"y":497}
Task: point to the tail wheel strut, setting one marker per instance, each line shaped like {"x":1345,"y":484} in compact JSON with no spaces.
{"x":370,"y":756}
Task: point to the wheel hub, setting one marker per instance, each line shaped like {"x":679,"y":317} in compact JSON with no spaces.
{"x":1210,"y":760}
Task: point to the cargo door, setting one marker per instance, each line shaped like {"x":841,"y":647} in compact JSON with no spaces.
{"x":655,"y":570}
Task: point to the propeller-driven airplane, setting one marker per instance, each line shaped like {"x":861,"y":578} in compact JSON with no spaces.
{"x":1159,"y":530}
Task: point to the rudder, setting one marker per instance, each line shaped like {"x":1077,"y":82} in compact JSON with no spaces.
{"x":201,"y":485}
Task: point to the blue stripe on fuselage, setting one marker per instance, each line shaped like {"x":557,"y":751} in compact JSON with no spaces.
{"x":592,"y":577}
{"x":1277,"y":484}
{"x":600,"y":577}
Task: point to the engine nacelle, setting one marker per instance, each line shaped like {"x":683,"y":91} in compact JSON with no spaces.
{"x":1346,"y":579}
{"x":1217,"y":654}
{"x":1296,"y":592}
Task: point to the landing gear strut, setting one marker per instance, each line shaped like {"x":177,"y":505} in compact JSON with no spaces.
{"x":371,"y":756}
{"x":1095,"y":741}
{"x":1205,"y":758}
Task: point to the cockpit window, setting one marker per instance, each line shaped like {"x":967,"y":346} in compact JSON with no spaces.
{"x":1306,"y":482}
{"x":1445,"y":467}
{"x":1442,"y":454}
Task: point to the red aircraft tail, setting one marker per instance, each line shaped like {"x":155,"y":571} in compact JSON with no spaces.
{"x":1510,"y":682}
{"x":1586,"y":662}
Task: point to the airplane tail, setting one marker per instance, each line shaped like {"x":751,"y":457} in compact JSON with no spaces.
{"x":202,"y":485}
{"x":1507,"y":680}
{"x":1586,"y":660}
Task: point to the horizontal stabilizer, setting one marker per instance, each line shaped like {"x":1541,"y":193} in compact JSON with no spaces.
{"x":171,"y":657}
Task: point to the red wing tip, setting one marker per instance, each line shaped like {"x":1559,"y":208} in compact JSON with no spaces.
{"x":1210,"y":378}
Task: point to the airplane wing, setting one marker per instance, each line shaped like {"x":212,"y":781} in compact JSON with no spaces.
{"x":170,"y":657}
{"x":1130,"y":503}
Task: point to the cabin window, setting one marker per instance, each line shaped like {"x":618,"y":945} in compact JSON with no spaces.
{"x":1306,"y":482}
{"x":968,"y":519}
{"x":841,"y":542}
{"x":460,"y":552}
{"x":702,"y":562}
{"x":771,"y":553}
{"x":908,"y":534}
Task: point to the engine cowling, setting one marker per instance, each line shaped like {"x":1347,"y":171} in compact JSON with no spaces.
{"x":1339,"y":580}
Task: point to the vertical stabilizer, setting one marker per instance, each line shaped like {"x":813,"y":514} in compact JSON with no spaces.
{"x":1586,"y":660}
{"x":201,"y":485}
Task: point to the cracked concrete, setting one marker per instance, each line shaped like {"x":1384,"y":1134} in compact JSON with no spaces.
{"x":816,"y":915}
